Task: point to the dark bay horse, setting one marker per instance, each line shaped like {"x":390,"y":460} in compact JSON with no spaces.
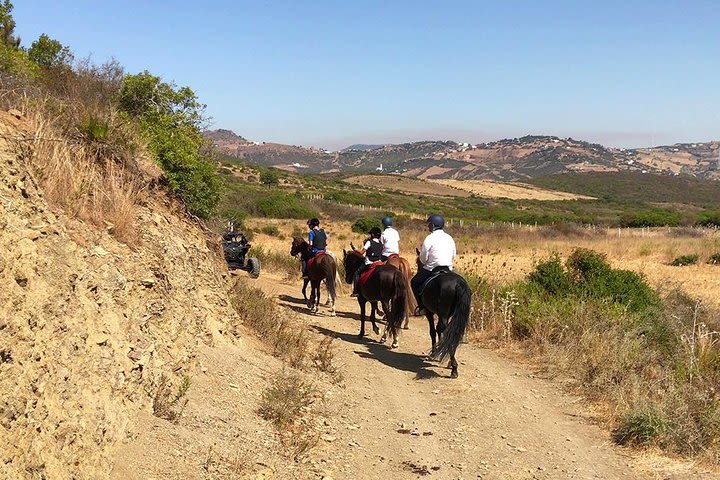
{"x":323,"y":268}
{"x":449,"y":297}
{"x":385,"y":285}
{"x":405,"y":268}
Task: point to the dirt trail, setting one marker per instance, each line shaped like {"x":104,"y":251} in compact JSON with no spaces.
{"x":400,"y":416}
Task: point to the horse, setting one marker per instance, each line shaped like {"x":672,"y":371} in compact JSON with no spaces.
{"x":323,"y":268}
{"x":403,"y":265}
{"x":385,"y":285}
{"x":449,"y":297}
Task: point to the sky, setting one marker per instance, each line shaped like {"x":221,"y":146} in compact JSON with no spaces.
{"x":333,"y":73}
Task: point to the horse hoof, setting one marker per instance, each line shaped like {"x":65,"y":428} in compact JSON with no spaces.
{"x":395,"y":345}
{"x":333,"y":314}
{"x":406,"y":327}
{"x":376,"y":330}
{"x":454,"y":374}
{"x":383,"y":339}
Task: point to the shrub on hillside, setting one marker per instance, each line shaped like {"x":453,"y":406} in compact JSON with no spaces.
{"x":685,"y":260}
{"x":270,"y":230}
{"x":170,"y":119}
{"x":552,"y":277}
{"x":364,"y":224}
{"x":709,"y":219}
{"x":270,"y":177}
{"x":656,"y":218}
{"x":714,"y":259}
{"x":282,"y":205}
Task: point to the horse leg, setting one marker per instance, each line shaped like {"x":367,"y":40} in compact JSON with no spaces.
{"x":361,"y":302}
{"x":453,"y":365}
{"x":386,"y":309}
{"x":407,"y":321}
{"x":385,"y":332}
{"x":372,"y":318}
{"x":304,"y":288}
{"x":433,"y":333}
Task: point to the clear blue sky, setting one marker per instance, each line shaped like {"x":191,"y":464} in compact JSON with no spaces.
{"x":332,"y":73}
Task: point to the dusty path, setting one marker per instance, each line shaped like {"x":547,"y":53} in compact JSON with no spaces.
{"x":399,"y":416}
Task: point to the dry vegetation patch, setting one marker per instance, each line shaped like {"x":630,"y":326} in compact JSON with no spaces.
{"x":514,"y":191}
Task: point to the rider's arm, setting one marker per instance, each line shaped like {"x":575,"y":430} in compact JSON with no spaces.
{"x":311,"y":235}
{"x":365,"y":247}
{"x":425,"y":250}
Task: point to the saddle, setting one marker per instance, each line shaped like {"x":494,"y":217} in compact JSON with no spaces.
{"x":312,"y":260}
{"x":367,"y":273}
{"x":435,"y":274}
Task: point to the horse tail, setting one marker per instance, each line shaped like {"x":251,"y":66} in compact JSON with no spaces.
{"x":458,"y":321}
{"x":410,"y":302}
{"x":396,"y":315}
{"x":330,"y":275}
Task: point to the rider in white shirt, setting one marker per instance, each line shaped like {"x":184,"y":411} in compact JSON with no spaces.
{"x":437,"y":254}
{"x":390,"y":239}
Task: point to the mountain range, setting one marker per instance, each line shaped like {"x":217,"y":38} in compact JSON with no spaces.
{"x":509,"y":160}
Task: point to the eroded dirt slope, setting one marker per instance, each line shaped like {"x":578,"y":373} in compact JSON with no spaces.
{"x":87,"y":324}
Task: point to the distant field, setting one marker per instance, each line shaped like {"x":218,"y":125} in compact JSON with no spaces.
{"x":513,"y":191}
{"x":407,"y":185}
{"x":462,"y":188}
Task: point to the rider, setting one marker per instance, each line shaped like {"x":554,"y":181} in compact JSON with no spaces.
{"x":390,"y":239}
{"x":317,"y":238}
{"x":372,"y":249}
{"x":436,"y":254}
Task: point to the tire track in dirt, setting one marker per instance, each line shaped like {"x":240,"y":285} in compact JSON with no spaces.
{"x":399,"y":415}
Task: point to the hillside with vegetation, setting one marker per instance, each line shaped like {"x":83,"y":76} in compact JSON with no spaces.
{"x":507,"y":160}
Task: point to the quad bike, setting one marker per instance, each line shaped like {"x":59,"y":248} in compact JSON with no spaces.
{"x":235,"y":246}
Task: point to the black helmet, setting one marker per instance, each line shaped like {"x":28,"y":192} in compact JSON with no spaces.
{"x":313,"y":222}
{"x":436,"y":221}
{"x":387,"y":221}
{"x":375,"y":232}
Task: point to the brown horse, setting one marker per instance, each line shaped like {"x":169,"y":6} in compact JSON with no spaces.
{"x":323,"y":268}
{"x":385,"y":285}
{"x":404,"y":266}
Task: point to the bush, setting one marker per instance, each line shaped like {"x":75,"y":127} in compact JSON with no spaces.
{"x":685,"y":260}
{"x":552,"y":277}
{"x":585,"y":264}
{"x":170,"y":119}
{"x":714,"y":259}
{"x":270,"y":177}
{"x":271,"y":230}
{"x":709,"y":219}
{"x":656,"y":218}
{"x":281,"y":205}
{"x":364,"y":224}
{"x":640,"y":427}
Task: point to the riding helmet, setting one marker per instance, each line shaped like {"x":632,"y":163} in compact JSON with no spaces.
{"x":375,"y":232}
{"x":387,"y":221}
{"x":436,"y":221}
{"x":313,"y":222}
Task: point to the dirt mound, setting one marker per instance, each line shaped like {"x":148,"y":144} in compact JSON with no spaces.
{"x":87,"y":324}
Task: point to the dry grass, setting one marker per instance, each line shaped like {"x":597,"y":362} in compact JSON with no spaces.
{"x":169,"y":404}
{"x":85,"y":183}
{"x":287,"y":402}
{"x":514,"y":191}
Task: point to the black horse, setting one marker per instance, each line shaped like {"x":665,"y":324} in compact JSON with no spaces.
{"x":386,"y":285}
{"x":449,"y":297}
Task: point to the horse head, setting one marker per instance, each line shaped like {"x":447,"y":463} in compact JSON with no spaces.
{"x":419,"y":263}
{"x":298,"y":246}
{"x":352,"y":260}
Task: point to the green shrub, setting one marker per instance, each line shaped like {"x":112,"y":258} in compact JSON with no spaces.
{"x":271,"y":230}
{"x":270,"y":177}
{"x":685,"y":260}
{"x":585,"y":264}
{"x":552,"y":277}
{"x":622,"y":287}
{"x":714,"y":259}
{"x":364,"y":224}
{"x":709,"y":219}
{"x":640,"y":427}
{"x":281,"y":205}
{"x":655,"y":218}
{"x":170,"y":119}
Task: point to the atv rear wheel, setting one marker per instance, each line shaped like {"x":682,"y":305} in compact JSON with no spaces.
{"x":253,"y":265}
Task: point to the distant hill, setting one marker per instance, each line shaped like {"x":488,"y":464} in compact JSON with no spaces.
{"x":361,"y":147}
{"x":507,"y":160}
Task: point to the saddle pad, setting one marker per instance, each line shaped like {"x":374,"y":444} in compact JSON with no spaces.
{"x":367,"y":273}
{"x":312,"y":260}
